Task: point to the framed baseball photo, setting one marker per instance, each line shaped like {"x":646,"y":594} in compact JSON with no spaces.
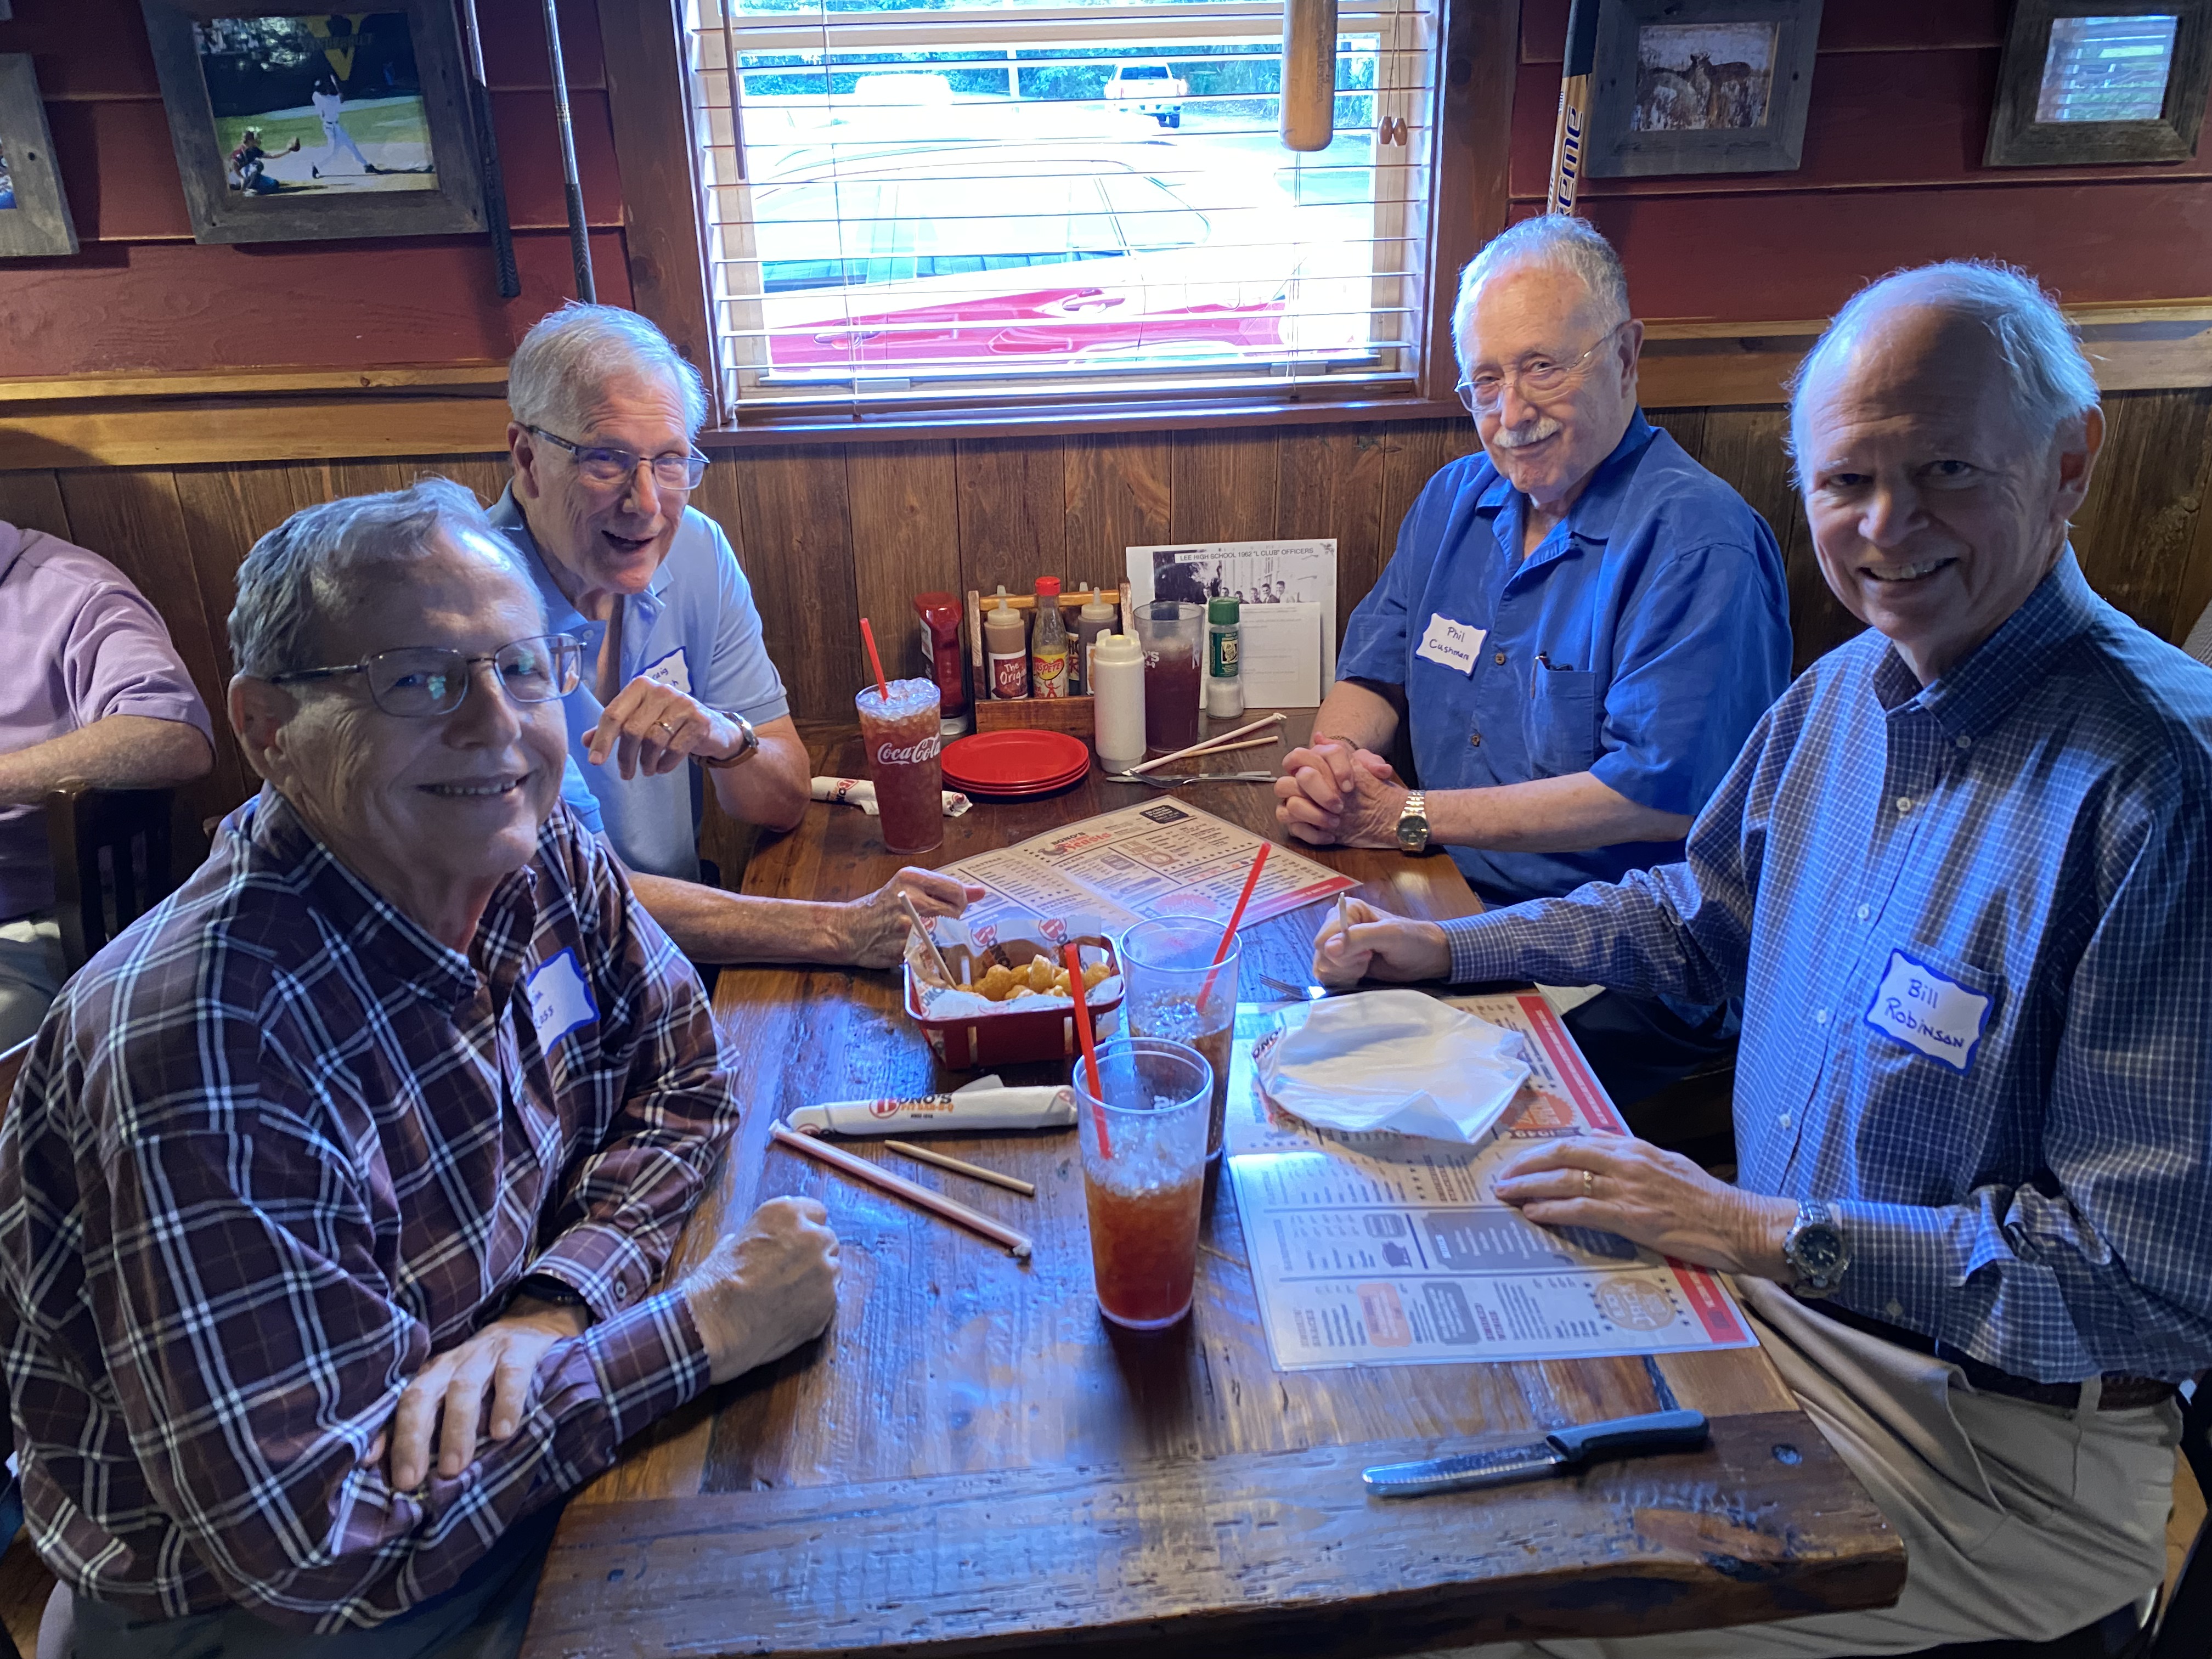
{"x":2083,"y":81}
{"x":1700,"y":86}
{"x":35,"y":215}
{"x":296,"y":125}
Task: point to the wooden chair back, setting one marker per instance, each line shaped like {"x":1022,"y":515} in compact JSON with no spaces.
{"x":112,"y":861}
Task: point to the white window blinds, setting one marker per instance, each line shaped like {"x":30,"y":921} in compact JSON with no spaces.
{"x":916,"y":203}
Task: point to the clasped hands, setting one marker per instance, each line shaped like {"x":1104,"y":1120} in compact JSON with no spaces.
{"x":1334,"y":794}
{"x":759,"y":1293}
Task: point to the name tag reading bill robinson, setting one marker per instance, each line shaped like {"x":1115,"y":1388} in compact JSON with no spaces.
{"x":1924,"y":1010}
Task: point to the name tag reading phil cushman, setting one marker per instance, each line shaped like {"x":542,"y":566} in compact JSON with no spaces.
{"x":1924,"y":1010}
{"x":1452,"y":644}
{"x":560,"y":1002}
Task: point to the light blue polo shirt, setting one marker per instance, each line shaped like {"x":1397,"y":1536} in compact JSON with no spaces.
{"x":1640,"y":642}
{"x":695,"y":627}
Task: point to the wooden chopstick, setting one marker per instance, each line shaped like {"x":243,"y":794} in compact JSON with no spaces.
{"x":922,"y":928}
{"x":861,"y":1169}
{"x":1210,"y":744}
{"x":975,"y":1171}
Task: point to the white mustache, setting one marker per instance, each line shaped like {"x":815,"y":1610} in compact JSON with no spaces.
{"x":1543,"y":427}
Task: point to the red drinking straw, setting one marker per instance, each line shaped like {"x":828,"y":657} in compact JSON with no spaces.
{"x":1229,"y":933}
{"x":868,"y":636}
{"x":1072,"y":954}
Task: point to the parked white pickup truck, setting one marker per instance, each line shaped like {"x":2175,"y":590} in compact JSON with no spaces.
{"x":1153,"y":90}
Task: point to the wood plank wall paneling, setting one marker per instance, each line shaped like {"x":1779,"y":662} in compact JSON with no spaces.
{"x":827,"y":533}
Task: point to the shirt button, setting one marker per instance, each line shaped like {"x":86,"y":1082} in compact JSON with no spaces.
{"x":1894,"y":1309}
{"x":622,"y":1289}
{"x":1964,"y":743}
{"x":1500,"y":659}
{"x":1905,"y":803}
{"x":1784,"y":1120}
{"x":1865,"y":911}
{"x":1819,"y":1017}
{"x":1474,"y":741}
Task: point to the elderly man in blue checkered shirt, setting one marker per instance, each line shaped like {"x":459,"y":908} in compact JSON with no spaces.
{"x":1961,"y":876}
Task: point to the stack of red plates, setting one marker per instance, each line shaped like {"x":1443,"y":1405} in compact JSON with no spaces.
{"x":1012,"y":764}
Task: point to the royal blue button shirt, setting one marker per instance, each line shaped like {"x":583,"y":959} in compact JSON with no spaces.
{"x":1639,"y":643}
{"x":695,"y":626}
{"x":1972,"y":925}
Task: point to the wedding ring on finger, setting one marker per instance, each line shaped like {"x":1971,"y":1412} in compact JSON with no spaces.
{"x":1590,"y":1182}
{"x":666,"y":728}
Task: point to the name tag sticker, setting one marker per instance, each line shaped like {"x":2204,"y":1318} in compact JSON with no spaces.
{"x":1924,"y":1010}
{"x":560,"y":1001}
{"x":1453,"y":644}
{"x":672,"y":670}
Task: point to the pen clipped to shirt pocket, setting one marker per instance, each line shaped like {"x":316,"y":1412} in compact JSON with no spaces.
{"x":1561,"y":727}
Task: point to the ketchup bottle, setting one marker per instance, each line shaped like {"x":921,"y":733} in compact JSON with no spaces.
{"x":940,"y":623}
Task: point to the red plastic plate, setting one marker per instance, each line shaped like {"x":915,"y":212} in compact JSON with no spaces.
{"x":996,"y":761}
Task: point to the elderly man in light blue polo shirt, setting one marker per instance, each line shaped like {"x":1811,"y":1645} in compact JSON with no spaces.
{"x":1578,"y":630}
{"x":678,"y":690}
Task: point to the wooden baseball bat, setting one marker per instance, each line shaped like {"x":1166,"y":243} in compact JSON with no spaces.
{"x":1573,"y":130}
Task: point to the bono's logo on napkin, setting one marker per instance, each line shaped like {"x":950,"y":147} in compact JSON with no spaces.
{"x":1927,"y":1010}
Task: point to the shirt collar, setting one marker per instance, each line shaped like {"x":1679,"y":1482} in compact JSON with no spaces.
{"x":1597,"y":508}
{"x":370,"y":924}
{"x":1989,"y":684}
{"x":506,"y":514}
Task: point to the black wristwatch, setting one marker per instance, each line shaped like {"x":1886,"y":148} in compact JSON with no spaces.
{"x":545,"y":1287}
{"x":1815,"y":1250}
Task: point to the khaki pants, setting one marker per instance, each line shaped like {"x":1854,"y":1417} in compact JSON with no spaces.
{"x":2019,"y":1521}
{"x":30,"y":974}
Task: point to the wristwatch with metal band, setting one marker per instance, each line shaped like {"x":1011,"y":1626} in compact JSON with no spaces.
{"x":751,"y":743}
{"x":1413,"y":823}
{"x":1815,"y":1250}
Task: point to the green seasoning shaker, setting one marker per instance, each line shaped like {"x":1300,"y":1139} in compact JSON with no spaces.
{"x":1225,"y":678}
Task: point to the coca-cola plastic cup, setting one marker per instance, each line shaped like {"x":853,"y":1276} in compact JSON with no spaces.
{"x":900,"y":735}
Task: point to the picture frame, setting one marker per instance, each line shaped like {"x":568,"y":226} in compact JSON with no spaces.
{"x":1666,"y":100}
{"x":2082,"y":82}
{"x":35,"y":215}
{"x":294,"y":124}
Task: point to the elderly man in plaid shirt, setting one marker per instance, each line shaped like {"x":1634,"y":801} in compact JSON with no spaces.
{"x":335,"y":1193}
{"x":1960,"y":874}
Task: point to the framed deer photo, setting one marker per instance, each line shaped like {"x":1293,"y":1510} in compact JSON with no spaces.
{"x":1701,"y":86}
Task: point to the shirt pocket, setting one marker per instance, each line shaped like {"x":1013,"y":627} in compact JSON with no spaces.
{"x":1561,"y":724}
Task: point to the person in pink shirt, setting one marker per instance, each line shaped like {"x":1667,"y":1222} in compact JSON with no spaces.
{"x":100,"y":695}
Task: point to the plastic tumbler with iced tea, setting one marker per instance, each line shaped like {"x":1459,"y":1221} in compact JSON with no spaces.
{"x":1172,"y":635}
{"x":1145,"y":1177}
{"x":900,"y":735}
{"x":1174,"y":991}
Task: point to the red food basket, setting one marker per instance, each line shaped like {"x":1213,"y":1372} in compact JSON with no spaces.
{"x":967,"y":1042}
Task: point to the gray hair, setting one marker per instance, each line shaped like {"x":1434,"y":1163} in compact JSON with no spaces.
{"x":299,"y":578}
{"x":568,"y":358}
{"x":1557,"y":239}
{"x":2048,"y":375}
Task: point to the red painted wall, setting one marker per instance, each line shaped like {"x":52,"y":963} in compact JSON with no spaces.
{"x":141,"y":294}
{"x":1892,"y":176}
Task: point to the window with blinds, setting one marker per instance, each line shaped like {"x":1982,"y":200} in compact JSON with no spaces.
{"x":917,"y":204}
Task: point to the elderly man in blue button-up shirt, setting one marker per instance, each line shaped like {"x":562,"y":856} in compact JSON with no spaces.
{"x":1579,"y":627}
{"x":1960,"y":876}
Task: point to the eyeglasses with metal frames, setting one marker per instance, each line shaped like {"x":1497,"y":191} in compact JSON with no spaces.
{"x":418,"y":682}
{"x":1535,"y":378}
{"x":613,"y":466}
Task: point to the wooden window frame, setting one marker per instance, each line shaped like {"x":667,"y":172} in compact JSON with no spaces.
{"x":649,"y":97}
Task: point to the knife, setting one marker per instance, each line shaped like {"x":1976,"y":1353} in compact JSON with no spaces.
{"x":1561,"y":1450}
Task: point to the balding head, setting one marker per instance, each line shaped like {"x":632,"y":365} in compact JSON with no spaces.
{"x":1944,"y":429}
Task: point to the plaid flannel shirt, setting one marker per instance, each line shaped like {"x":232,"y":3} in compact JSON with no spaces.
{"x":2032,"y":1182}
{"x":275,"y":1147}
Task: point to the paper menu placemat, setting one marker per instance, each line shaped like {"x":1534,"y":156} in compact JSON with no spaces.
{"x":1378,"y":1249}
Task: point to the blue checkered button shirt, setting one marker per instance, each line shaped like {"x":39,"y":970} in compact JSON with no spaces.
{"x":2028,"y":1175}
{"x":276,"y":1146}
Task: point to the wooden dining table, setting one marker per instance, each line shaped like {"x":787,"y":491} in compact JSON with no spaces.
{"x":972,"y":1462}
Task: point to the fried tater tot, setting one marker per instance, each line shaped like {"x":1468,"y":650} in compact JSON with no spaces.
{"x":998,"y":982}
{"x":1093,"y":975}
{"x":1040,"y":973}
